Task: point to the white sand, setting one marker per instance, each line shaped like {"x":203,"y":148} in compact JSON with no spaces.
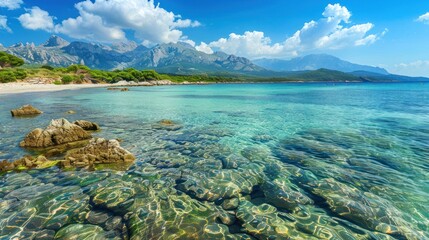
{"x":12,"y":88}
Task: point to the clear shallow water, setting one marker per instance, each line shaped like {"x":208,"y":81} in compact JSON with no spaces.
{"x":344,"y":161}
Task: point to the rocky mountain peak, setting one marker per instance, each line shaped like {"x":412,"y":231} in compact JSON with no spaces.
{"x":124,"y":47}
{"x":55,"y":41}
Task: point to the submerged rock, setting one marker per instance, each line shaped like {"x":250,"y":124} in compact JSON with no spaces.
{"x":280,"y":194}
{"x":119,"y":89}
{"x":168,"y":125}
{"x":87,"y":125}
{"x":26,"y":110}
{"x":363,"y":208}
{"x":178,"y":217}
{"x":83,"y":232}
{"x":220,"y":184}
{"x":58,"y":132}
{"x":263,"y":222}
{"x":98,"y":151}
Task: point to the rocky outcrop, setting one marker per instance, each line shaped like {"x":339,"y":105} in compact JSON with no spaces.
{"x":27,"y":162}
{"x":87,"y":125}
{"x":58,"y":132}
{"x":26,"y":110}
{"x":119,"y":89}
{"x":98,"y":151}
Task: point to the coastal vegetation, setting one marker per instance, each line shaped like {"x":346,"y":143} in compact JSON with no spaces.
{"x":12,"y":69}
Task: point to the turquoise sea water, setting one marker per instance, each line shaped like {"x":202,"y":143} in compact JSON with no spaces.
{"x":250,"y":161}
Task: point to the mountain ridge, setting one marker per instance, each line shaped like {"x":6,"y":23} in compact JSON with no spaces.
{"x":314,"y":62}
{"x":180,"y":58}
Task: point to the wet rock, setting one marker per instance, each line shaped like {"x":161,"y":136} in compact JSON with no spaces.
{"x":113,"y":194}
{"x":83,"y":232}
{"x":6,"y":166}
{"x":98,"y":151}
{"x":263,"y":222}
{"x":230,"y":204}
{"x":58,"y":132}
{"x":98,"y":217}
{"x":41,"y":206}
{"x":87,"y":125}
{"x":27,"y":162}
{"x":45,"y":235}
{"x":256,"y":153}
{"x":217,"y":184}
{"x":263,"y":138}
{"x":178,"y":217}
{"x":26,"y":110}
{"x":113,"y":223}
{"x":71,"y":112}
{"x":168,"y":125}
{"x":362,"y":208}
{"x":119,"y":89}
{"x":280,"y":194}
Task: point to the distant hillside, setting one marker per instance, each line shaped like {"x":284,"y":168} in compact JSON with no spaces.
{"x":176,"y":58}
{"x":314,"y":62}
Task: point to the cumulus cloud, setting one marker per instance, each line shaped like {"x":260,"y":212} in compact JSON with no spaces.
{"x":251,"y":44}
{"x":424,"y":18}
{"x":36,"y":19}
{"x":328,"y":32}
{"x":203,"y":47}
{"x":107,"y":21}
{"x":11,"y":4}
{"x":3,"y":23}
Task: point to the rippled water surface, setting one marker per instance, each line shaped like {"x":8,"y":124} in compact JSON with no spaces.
{"x":262,"y":161}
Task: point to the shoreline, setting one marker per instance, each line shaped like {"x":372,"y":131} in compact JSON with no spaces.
{"x":26,"y":87}
{"x":15,"y":88}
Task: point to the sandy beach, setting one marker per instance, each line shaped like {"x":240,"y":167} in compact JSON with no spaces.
{"x":12,"y":88}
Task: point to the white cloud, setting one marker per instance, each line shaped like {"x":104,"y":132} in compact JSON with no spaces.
{"x":188,"y":41}
{"x":3,"y":23}
{"x":416,"y":68}
{"x":251,"y":44}
{"x":36,"y":19}
{"x":107,"y":20}
{"x":90,"y":27}
{"x":424,"y":18}
{"x":11,"y":4}
{"x":203,"y":47}
{"x":328,"y":32}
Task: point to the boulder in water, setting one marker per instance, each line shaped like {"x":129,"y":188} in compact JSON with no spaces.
{"x":58,"y":132}
{"x":26,"y":110}
{"x":98,"y":151}
{"x":87,"y":125}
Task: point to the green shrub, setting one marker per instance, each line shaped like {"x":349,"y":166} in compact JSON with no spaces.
{"x":20,"y":74}
{"x":7,"y":76}
{"x":8,"y":60}
{"x":67,"y":79}
{"x":48,"y":67}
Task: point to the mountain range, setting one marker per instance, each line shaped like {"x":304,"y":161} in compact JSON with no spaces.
{"x":183,"y":59}
{"x":177,"y":58}
{"x":314,"y":62}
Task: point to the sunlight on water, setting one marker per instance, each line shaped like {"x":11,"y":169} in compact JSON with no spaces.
{"x":265,"y":161}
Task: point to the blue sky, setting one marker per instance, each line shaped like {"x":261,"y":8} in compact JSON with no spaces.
{"x":391,"y":34}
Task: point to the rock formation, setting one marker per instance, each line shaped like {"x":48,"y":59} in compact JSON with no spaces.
{"x":98,"y":151}
{"x":26,"y":110}
{"x":87,"y":125}
{"x":58,"y":132}
{"x":27,"y":162}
